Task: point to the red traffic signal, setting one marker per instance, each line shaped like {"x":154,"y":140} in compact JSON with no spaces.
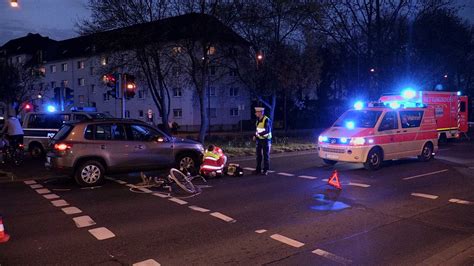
{"x":130,"y":86}
{"x":110,"y":80}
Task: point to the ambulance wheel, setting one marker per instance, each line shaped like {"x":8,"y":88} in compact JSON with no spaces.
{"x":374,"y":159}
{"x":329,"y":162}
{"x":426,"y":152}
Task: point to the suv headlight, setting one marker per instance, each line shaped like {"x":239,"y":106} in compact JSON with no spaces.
{"x":357,"y":141}
{"x":322,"y":139}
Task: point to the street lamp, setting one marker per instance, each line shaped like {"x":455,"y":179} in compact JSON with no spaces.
{"x":14,"y":3}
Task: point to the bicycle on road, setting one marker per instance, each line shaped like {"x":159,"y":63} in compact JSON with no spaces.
{"x":181,"y":178}
{"x":13,"y":153}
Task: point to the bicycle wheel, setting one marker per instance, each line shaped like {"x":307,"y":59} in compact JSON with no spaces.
{"x":182,"y":180}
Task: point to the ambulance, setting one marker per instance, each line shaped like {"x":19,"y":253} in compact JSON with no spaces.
{"x":451,"y":110}
{"x":375,"y":132}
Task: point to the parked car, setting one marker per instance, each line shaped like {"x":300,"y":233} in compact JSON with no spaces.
{"x":89,"y":149}
{"x":40,"y":127}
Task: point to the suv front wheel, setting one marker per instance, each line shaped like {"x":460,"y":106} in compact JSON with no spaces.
{"x":89,"y":174}
{"x":189,"y":162}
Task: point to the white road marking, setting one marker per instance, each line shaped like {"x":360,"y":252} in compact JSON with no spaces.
{"x":120,"y":182}
{"x":270,"y":171}
{"x":180,"y":202}
{"x":249,"y":168}
{"x":465,"y":202}
{"x":325,"y":180}
{"x":110,"y":178}
{"x":71,"y":210}
{"x":161,"y":195}
{"x":261,"y":231}
{"x":199,"y":209}
{"x":35,"y":186}
{"x":101,"y":233}
{"x":432,"y":173}
{"x":358,"y":185}
{"x":285,"y":174}
{"x":131,"y":185}
{"x":149,"y":262}
{"x":59,"y":203}
{"x":331,"y":256}
{"x":223,"y":217}
{"x":43,"y":191}
{"x":288,"y":241}
{"x":427,"y":196}
{"x":29,"y":182}
{"x":146,"y":190}
{"x":51,"y":196}
{"x":308,"y":177}
{"x":83,"y":221}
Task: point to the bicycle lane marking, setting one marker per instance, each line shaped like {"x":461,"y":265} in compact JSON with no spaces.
{"x":331,"y":256}
{"x":427,"y":174}
{"x":223,"y":217}
{"x":287,"y":240}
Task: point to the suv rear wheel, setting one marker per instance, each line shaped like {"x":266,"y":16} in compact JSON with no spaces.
{"x":36,"y":151}
{"x":426,"y":153}
{"x":89,"y":174}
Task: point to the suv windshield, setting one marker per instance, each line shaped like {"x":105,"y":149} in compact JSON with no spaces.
{"x":63,"y":132}
{"x":359,"y":118}
{"x":100,"y":115}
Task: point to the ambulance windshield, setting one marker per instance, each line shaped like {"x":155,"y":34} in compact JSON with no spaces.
{"x":358,"y":118}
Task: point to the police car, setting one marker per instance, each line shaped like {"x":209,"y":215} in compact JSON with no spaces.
{"x":374,"y":132}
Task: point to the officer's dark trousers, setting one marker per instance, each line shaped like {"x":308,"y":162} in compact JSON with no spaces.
{"x":263,"y":150}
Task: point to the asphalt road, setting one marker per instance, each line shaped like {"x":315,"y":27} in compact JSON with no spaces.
{"x":406,"y":213}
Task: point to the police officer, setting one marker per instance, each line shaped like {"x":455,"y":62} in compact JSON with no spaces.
{"x":263,"y":136}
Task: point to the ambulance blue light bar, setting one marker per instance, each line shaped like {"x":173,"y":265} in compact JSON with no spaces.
{"x":408,"y":93}
{"x":358,"y":105}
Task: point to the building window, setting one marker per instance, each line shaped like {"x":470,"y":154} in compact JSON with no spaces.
{"x":92,"y":88}
{"x":18,"y":59}
{"x":140,"y":113}
{"x":104,"y":61}
{"x":212,"y":112}
{"x":234,"y":92}
{"x":80,"y":64}
{"x":106,"y":97}
{"x":53,"y":68}
{"x":177,"y":50}
{"x":81,"y":98}
{"x":141,"y":94}
{"x":64,"y":67}
{"x":64,"y":83}
{"x":211,"y":91}
{"x":234,"y":111}
{"x":92,"y":71}
{"x":53,"y":84}
{"x":127,"y":114}
{"x":81,"y":82}
{"x":177,"y":92}
{"x":177,"y":113}
{"x":211,"y":51}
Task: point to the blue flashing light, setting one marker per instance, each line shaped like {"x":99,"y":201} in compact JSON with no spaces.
{"x":343,"y":140}
{"x":350,"y":125}
{"x":458,"y":93}
{"x":408,"y":93}
{"x":394,"y":105}
{"x":358,"y":105}
{"x":51,"y":108}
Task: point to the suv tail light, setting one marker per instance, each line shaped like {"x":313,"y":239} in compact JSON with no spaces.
{"x":62,"y":146}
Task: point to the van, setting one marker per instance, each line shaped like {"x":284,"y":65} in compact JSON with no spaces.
{"x":378,"y":132}
{"x":40,"y":127}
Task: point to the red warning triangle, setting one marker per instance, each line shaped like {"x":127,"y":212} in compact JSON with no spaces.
{"x":334,"y":180}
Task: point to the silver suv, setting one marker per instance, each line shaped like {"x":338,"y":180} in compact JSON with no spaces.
{"x":89,"y":149}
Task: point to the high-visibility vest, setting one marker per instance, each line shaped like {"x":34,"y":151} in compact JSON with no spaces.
{"x":261,"y":128}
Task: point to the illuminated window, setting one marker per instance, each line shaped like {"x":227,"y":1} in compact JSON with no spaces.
{"x":104,"y":61}
{"x":211,"y":50}
{"x":81,"y":82}
{"x":53,"y":68}
{"x":64,"y":67}
{"x":80,"y":64}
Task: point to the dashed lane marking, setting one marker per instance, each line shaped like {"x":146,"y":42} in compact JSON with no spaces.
{"x":285,"y":174}
{"x":331,"y":256}
{"x":308,"y":177}
{"x":36,"y":186}
{"x":110,"y":178}
{"x":358,"y":185}
{"x":249,"y":169}
{"x":59,"y":203}
{"x":261,"y":231}
{"x":427,"y":196}
{"x":286,"y":240}
{"x":180,"y":202}
{"x":149,"y":262}
{"x":29,"y":182}
{"x":161,"y":195}
{"x":101,"y":233}
{"x":223,"y":217}
{"x":43,"y":191}
{"x":146,"y":190}
{"x":199,"y":209}
{"x":459,"y":201}
{"x":120,"y":182}
{"x":83,"y":221}
{"x":51,"y":196}
{"x":432,"y":173}
{"x":270,"y":171}
{"x":71,"y":210}
{"x":325,"y":180}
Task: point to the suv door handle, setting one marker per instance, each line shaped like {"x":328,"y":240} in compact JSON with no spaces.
{"x":102,"y":146}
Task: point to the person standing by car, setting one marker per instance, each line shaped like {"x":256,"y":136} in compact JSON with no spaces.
{"x":14,"y":131}
{"x":263,"y":136}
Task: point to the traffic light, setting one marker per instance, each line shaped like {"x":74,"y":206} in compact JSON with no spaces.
{"x":28,"y":107}
{"x":259,"y":57}
{"x":130,"y":86}
{"x":111,"y":81}
{"x":68,"y":97}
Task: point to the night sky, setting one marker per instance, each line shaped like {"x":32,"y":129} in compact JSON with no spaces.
{"x":56,"y":18}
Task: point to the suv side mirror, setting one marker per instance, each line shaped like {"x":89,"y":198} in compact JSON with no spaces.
{"x":160,"y":139}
